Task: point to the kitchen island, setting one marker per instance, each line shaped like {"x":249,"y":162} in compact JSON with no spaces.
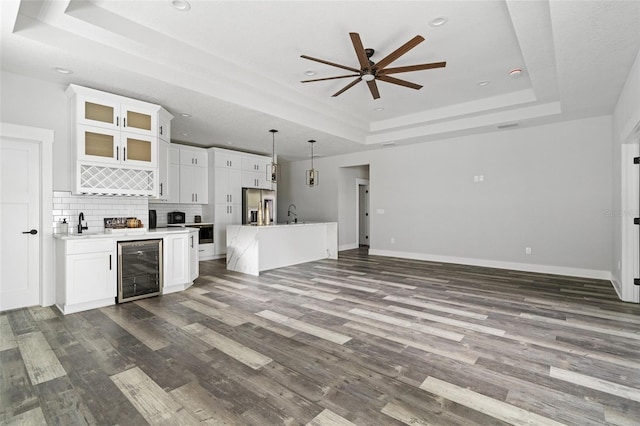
{"x":251,"y":249}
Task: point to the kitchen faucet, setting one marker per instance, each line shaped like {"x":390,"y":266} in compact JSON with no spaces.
{"x":289,"y":212}
{"x":80,"y":227}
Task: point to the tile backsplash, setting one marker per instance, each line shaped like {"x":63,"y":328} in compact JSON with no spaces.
{"x":95,"y":208}
{"x":190,"y":211}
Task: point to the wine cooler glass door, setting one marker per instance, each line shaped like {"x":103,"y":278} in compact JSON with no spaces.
{"x":139,"y":269}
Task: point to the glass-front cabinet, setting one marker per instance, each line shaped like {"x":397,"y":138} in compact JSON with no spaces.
{"x":111,"y":146}
{"x":116,"y":142}
{"x":111,"y":114}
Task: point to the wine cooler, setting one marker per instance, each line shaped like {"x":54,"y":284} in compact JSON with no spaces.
{"x":139,"y":269}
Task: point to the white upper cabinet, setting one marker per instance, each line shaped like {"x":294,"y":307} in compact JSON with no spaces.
{"x":255,"y":163}
{"x":112,"y":146}
{"x":116,"y":141}
{"x":115,"y":112}
{"x":194,"y":175}
{"x":193,"y":157}
{"x":254,"y":171}
{"x":228,"y":159}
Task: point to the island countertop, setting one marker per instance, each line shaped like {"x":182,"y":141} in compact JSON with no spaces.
{"x":252,"y":248}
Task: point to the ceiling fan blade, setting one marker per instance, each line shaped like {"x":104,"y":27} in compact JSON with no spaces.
{"x":330,"y":78}
{"x":347,"y":87}
{"x":399,"y":82}
{"x":360,"y":53}
{"x":373,"y":88}
{"x":322,"y":61}
{"x":414,"y":68}
{"x":399,"y":52}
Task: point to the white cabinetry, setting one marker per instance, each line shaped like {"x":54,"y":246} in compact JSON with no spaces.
{"x":254,"y":171}
{"x":164,"y":142}
{"x":176,"y":261}
{"x":194,"y":176}
{"x":116,"y":140}
{"x":225,"y":194}
{"x":194,"y":264}
{"x":85,"y":274}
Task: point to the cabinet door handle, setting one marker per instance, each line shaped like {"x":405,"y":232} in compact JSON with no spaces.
{"x":191,"y":241}
{"x":160,"y":130}
{"x":109,"y":262}
{"x":124,"y":154}
{"x":231,"y":209}
{"x":160,"y":188}
{"x":191,"y":197}
{"x":117,"y":121}
{"x":124,"y":121}
{"x":117,"y":152}
{"x":231,"y":198}
{"x":196,"y":198}
{"x":196,"y":161}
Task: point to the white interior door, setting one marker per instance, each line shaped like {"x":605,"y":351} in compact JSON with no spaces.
{"x":19,"y":215}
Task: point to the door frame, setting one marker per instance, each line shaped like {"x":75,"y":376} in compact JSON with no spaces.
{"x":359,"y":182}
{"x":44,"y":138}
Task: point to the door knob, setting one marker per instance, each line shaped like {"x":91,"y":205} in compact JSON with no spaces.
{"x":32,"y":232}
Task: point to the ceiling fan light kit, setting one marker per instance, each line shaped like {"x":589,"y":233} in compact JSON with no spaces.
{"x":370,"y":72}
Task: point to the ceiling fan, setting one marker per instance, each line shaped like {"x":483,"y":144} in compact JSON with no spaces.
{"x":370,"y":71}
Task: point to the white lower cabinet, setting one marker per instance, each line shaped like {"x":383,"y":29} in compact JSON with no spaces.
{"x":176,"y":262}
{"x":194,"y":264}
{"x":85,"y":274}
{"x":86,"y":268}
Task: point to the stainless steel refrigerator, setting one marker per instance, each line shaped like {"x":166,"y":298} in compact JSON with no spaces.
{"x":254,"y":199}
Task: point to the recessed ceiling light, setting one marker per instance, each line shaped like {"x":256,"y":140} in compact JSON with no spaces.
{"x":181,"y":5}
{"x":439,"y":21}
{"x":483,"y":83}
{"x":62,"y":70}
{"x":515,"y":73}
{"x":185,"y":114}
{"x":310,"y":73}
{"x":185,"y":134}
{"x":378,"y":109}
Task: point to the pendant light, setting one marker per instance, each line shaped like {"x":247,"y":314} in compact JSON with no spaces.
{"x":274,"y":172}
{"x":312,"y":174}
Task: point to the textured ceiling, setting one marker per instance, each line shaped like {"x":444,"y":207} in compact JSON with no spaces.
{"x":235,"y":66}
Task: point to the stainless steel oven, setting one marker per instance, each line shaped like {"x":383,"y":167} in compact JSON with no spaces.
{"x":205,"y":233}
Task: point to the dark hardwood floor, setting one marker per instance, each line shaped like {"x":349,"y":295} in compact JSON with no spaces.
{"x":362,"y":340}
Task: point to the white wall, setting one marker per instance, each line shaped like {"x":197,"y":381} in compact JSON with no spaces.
{"x":33,"y":102}
{"x":347,"y":198}
{"x":626,"y":118}
{"x":546,"y":187}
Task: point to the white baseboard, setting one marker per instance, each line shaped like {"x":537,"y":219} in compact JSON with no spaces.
{"x":348,"y":247}
{"x":525,"y":267}
{"x":617,"y":286}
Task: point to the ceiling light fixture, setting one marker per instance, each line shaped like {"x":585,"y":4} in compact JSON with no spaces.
{"x":310,"y":73}
{"x":62,"y":70}
{"x":439,"y":21}
{"x":181,"y":5}
{"x":483,"y":83}
{"x":185,"y":114}
{"x":273,"y":173}
{"x":367,"y":77}
{"x":312,"y":174}
{"x":378,"y":109}
{"x":515,"y":73}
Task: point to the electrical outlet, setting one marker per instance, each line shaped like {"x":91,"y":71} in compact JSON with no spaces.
{"x":527,"y":250}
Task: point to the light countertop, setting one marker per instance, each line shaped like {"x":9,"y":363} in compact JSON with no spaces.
{"x":128,"y":233}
